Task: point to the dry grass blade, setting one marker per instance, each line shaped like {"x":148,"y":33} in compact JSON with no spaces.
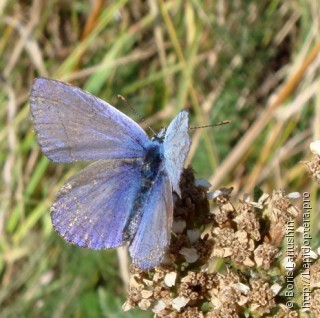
{"x":263,"y":119}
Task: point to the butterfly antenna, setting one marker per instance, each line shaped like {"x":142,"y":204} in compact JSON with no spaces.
{"x":142,"y":119}
{"x":224,"y":122}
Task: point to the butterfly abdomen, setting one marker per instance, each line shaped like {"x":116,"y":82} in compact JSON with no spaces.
{"x":152,"y":167}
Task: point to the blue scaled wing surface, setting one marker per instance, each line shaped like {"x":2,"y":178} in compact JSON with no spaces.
{"x":72,"y":125}
{"x":176,"y":148}
{"x":153,"y":235}
{"x":93,"y":207}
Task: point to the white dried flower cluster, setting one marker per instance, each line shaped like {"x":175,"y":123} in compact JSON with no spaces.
{"x":248,"y":235}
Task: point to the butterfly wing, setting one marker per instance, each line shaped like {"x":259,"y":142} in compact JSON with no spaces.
{"x":153,"y":235}
{"x":176,"y":148}
{"x":72,"y":124}
{"x":92,"y":208}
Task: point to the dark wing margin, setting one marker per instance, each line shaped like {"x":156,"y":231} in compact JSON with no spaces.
{"x":72,"y":125}
{"x":92,"y":208}
{"x":153,"y":235}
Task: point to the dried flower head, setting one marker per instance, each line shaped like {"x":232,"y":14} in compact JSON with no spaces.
{"x":264,"y":255}
{"x":281,"y":209}
{"x":261,"y":296}
{"x":226,"y":209}
{"x":247,"y":236}
{"x":247,"y":220}
{"x":280,"y":212}
{"x":314,"y":164}
{"x":315,"y":303}
{"x":236,"y":245}
{"x":315,"y":275}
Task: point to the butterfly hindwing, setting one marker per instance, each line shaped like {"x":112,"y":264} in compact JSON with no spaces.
{"x":93,"y":207}
{"x":72,"y":125}
{"x":176,"y":148}
{"x":153,"y":235}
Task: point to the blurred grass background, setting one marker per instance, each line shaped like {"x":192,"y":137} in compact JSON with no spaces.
{"x":255,"y":63}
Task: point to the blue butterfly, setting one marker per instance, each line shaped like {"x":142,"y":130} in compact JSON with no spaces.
{"x":125,"y":196}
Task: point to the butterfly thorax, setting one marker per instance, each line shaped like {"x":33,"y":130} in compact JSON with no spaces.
{"x":152,"y":161}
{"x":152,"y":167}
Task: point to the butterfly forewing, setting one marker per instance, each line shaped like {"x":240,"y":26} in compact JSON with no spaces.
{"x":176,"y":148}
{"x":72,"y":124}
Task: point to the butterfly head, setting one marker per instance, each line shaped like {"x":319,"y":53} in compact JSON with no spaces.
{"x":160,"y":135}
